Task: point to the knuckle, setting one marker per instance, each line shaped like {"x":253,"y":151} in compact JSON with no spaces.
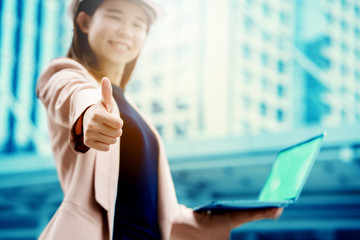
{"x":106,"y":147}
{"x":121,"y":122}
{"x":113,"y":140}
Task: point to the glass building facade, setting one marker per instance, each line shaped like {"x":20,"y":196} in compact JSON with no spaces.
{"x":32,"y":33}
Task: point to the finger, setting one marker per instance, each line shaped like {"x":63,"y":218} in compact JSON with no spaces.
{"x":243,"y":216}
{"x":105,"y":139}
{"x":109,"y":131}
{"x":106,"y":93}
{"x":97,"y":145}
{"x":101,"y":146}
{"x":109,"y":119}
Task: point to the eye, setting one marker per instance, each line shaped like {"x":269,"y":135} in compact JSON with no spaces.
{"x":139,"y":25}
{"x":118,"y":18}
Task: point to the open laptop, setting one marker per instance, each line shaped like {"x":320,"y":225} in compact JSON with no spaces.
{"x":285,"y":182}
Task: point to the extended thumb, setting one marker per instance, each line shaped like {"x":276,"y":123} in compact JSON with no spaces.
{"x":106,"y":92}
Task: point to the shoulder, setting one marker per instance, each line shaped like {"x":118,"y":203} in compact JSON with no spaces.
{"x":65,"y":68}
{"x":61,"y":64}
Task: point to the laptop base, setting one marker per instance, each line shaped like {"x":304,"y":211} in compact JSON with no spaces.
{"x":229,"y":206}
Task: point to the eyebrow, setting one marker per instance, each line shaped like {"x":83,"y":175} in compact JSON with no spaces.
{"x":121,"y":12}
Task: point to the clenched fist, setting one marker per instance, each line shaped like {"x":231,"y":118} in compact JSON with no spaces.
{"x":101,"y":127}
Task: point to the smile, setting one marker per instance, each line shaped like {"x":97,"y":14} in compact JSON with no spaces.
{"x":120,"y":46}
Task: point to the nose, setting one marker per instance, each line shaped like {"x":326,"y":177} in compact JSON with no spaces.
{"x":125,"y":30}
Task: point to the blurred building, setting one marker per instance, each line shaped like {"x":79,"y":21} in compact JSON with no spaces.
{"x":342,"y":26}
{"x":224,"y":68}
{"x":248,"y":67}
{"x":31,"y":33}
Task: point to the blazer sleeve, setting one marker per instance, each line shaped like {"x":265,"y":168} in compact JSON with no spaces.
{"x":66,"y":90}
{"x":196,"y":226}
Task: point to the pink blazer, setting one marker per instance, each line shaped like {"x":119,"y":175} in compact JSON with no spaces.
{"x":89,"y":180}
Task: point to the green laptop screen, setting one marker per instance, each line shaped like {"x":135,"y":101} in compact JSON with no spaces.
{"x":289,"y":172}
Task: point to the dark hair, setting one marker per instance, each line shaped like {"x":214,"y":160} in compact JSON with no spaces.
{"x":80,"y":49}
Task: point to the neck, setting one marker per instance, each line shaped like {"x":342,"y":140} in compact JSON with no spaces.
{"x":114,"y":73}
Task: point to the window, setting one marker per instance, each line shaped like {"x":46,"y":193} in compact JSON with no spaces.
{"x":264,"y":83}
{"x":344,"y":25}
{"x":180,"y":130}
{"x":280,"y":90}
{"x":357,"y":76}
{"x":357,"y":11}
{"x":283,"y":18}
{"x":158,"y":81}
{"x":246,"y":102}
{"x":357,"y":32}
{"x":248,"y":24}
{"x":344,"y":47}
{"x":344,"y":70}
{"x":157,"y":107}
{"x":160,"y":129}
{"x":281,"y":66}
{"x":280,"y":115}
{"x":247,"y":77}
{"x":344,"y":4}
{"x":264,"y":59}
{"x":329,"y":18}
{"x":357,"y":53}
{"x":266,"y":10}
{"x":263,"y":109}
{"x":246,"y":51}
{"x":181,"y":104}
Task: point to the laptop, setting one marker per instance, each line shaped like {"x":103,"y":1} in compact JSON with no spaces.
{"x":285,"y":182}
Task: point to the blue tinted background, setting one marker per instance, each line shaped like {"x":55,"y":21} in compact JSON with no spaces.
{"x":227,"y":84}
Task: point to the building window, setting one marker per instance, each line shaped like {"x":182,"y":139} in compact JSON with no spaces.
{"x":329,"y":18}
{"x":247,"y":77}
{"x":248,"y":24}
{"x":280,"y":115}
{"x":357,"y":97}
{"x":180,"y":130}
{"x":344,"y":4}
{"x":157,"y":107}
{"x":283,"y":18}
{"x":158,"y":81}
{"x":246,"y":51}
{"x":264,"y":59}
{"x":357,"y":32}
{"x":266,"y":10}
{"x":263,"y":109}
{"x":357,"y":11}
{"x":181,"y":104}
{"x":344,"y":25}
{"x":264,"y":83}
{"x":246,"y":102}
{"x":281,"y":66}
{"x":343,"y":69}
{"x":344,"y":47}
{"x":160,"y":129}
{"x":357,"y":53}
{"x":280,"y":91}
{"x":357,"y":76}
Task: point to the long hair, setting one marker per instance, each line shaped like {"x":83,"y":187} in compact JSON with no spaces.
{"x":80,"y":49}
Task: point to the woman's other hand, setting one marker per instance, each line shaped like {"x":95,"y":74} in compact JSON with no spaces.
{"x":243,"y":216}
{"x":101,"y":127}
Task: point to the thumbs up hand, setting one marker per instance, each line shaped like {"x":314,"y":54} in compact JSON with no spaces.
{"x":100,"y":126}
{"x":106,"y":93}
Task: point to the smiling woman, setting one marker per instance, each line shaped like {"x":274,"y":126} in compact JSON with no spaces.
{"x":108,"y":193}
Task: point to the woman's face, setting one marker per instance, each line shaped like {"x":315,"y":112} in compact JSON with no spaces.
{"x":117,"y":31}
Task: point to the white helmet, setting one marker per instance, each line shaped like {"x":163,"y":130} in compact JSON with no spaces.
{"x":155,"y":12}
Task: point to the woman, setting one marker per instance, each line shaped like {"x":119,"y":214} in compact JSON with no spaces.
{"x":108,"y":193}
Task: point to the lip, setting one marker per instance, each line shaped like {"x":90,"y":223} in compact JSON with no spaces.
{"x":117,"y":45}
